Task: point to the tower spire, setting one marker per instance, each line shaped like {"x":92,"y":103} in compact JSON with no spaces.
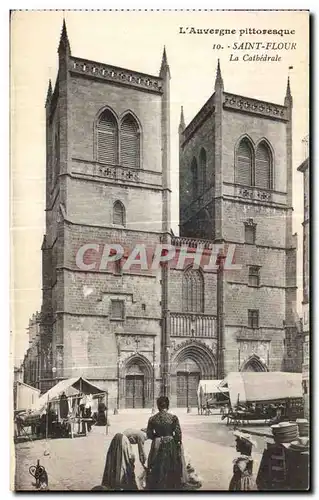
{"x":49,"y":93}
{"x":64,"y":40}
{"x":164,"y":66}
{"x":181,"y":127}
{"x":219,"y":84}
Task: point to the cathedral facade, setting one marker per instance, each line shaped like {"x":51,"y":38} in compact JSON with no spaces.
{"x":142,"y":332}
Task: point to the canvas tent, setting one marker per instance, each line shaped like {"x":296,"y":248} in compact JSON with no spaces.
{"x":207,"y":388}
{"x":262,"y":386}
{"x":70,"y":387}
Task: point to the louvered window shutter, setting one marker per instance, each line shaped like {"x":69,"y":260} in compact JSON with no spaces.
{"x":107,"y":139}
{"x":263,"y":167}
{"x":118,"y":214}
{"x":244,"y":164}
{"x":130,"y":143}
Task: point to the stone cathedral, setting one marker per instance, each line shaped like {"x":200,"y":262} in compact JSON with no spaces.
{"x":145,"y":332}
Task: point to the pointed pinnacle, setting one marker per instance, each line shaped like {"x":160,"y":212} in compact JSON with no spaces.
{"x":181,"y":127}
{"x":64,"y":40}
{"x":164,"y":65}
{"x":219,"y":80}
{"x":49,"y":93}
{"x":288,"y":91}
{"x":164,"y":58}
{"x":64,"y":32}
{"x":288,"y":97}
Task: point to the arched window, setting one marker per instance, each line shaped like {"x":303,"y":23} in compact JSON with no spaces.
{"x":244,"y":163}
{"x":130,"y":142}
{"x":202,"y":166}
{"x":119,"y":213}
{"x":263,"y":166}
{"x":107,"y":138}
{"x":194,"y":171}
{"x":193,"y":291}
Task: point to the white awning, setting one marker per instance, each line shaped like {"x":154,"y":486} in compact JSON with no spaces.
{"x":263,"y":386}
{"x":210,"y":387}
{"x":69,"y":387}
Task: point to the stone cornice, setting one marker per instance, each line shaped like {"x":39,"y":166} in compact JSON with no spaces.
{"x":109,"y":176}
{"x":253,"y":187}
{"x":114,"y":74}
{"x":104,"y":165}
{"x":255,"y":106}
{"x":109,"y":227}
{"x":179,"y":241}
{"x":191,"y":211}
{"x":134,"y":334}
{"x":241,"y":283}
{"x":102,"y":271}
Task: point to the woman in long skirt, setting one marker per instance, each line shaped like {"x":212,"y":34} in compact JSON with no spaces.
{"x":119,"y":472}
{"x":165,"y":468}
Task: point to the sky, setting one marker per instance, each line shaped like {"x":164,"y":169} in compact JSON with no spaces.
{"x":135,"y":40}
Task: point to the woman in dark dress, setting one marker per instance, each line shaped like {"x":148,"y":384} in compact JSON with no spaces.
{"x":165,"y":468}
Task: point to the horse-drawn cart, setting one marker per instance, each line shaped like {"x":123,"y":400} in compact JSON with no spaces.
{"x":265,"y":396}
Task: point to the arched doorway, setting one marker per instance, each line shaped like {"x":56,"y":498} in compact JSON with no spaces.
{"x":187,"y":379}
{"x":138,"y":383}
{"x":192,"y":362}
{"x":254,"y":364}
{"x":134,"y":387}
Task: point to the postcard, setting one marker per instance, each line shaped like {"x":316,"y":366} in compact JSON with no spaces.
{"x":160,"y":242}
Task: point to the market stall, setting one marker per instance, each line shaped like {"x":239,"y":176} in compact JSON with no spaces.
{"x":66,"y":410}
{"x":211,"y":396}
{"x":268,"y":396}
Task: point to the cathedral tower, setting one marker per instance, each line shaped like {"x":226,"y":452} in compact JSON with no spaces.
{"x":108,"y":147}
{"x":236,"y":188}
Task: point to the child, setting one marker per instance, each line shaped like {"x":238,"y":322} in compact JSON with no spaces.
{"x":242,"y":479}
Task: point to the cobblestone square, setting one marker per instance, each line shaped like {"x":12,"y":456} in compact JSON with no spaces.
{"x":78,"y":464}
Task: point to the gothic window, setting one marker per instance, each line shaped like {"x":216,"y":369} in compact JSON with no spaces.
{"x":117,"y":309}
{"x":130,"y":142}
{"x":193,"y":291}
{"x":203,"y":173}
{"x":119,"y":213}
{"x":244,"y":163}
{"x":254,"y":276}
{"x":107,"y":138}
{"x":263,"y":166}
{"x":253,"y":318}
{"x":194,"y":171}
